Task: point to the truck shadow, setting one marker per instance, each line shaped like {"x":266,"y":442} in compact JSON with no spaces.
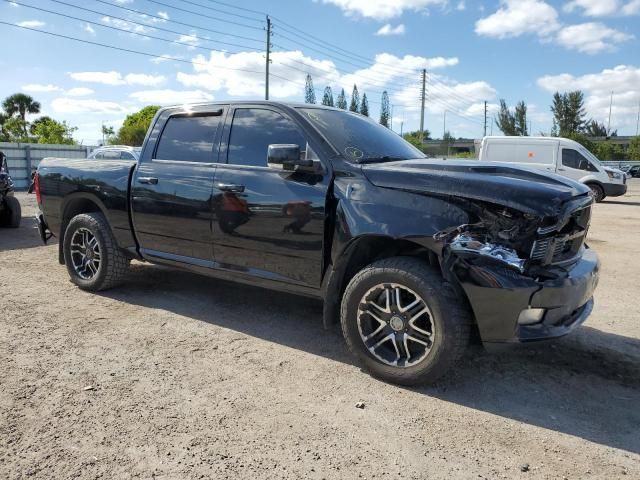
{"x":586,"y":385}
{"x":26,"y":236}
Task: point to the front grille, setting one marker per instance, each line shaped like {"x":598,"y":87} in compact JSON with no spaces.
{"x":566,"y":243}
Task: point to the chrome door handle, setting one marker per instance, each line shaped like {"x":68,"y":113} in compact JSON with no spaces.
{"x":230,"y":187}
{"x":148,"y":180}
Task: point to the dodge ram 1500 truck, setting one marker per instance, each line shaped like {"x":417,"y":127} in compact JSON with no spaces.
{"x":414,"y":257}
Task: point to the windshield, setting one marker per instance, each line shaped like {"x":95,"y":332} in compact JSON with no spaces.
{"x":359,"y":138}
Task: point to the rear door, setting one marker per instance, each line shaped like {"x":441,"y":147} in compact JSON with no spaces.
{"x":533,"y":154}
{"x":171,"y":190}
{"x":267,"y":223}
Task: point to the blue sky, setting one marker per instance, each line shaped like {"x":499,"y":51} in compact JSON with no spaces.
{"x":473,"y":51}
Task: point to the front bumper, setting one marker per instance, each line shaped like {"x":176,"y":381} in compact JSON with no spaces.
{"x":499,"y":294}
{"x":614,"y":189}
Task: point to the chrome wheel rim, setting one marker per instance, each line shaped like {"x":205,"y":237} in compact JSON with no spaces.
{"x":396,"y":325}
{"x":85,"y":253}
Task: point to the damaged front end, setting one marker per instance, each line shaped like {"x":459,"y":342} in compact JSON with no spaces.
{"x":527,"y":277}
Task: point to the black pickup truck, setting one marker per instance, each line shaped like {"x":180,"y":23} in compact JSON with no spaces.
{"x":412,"y":256}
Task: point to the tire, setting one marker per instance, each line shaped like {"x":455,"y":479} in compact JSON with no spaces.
{"x":448,"y":316}
{"x":12,"y":215}
{"x":598,"y":192}
{"x":112,"y":264}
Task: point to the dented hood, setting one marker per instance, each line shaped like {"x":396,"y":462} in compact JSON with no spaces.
{"x":526,"y":190}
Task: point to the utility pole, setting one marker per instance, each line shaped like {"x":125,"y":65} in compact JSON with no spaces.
{"x":391,"y":119}
{"x":485,"y":118}
{"x":493,"y":120}
{"x":444,"y":124}
{"x":266,"y":79}
{"x":609,"y":124}
{"x":422,"y":100}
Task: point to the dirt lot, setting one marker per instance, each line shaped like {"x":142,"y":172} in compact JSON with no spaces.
{"x":179,"y":376}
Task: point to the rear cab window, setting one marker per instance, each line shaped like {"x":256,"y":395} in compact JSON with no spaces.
{"x":188,"y":137}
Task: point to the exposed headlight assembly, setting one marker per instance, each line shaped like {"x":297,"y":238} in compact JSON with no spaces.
{"x":466,"y":243}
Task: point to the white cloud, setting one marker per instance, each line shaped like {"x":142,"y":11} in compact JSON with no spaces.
{"x":387,"y":29}
{"x":622,"y":80}
{"x":191,"y":40}
{"x":171,"y":97}
{"x":124,"y":25}
{"x":591,"y":38}
{"x":76,"y":105}
{"x":89,"y":29}
{"x":461,"y":6}
{"x":163,"y":15}
{"x":604,"y":8}
{"x":163,"y":58}
{"x":31,"y":24}
{"x":384,"y":9}
{"x":35,"y":87}
{"x":631,"y":8}
{"x":290,"y":68}
{"x":79,"y":92}
{"x":144,"y":79}
{"x":593,"y":8}
{"x":519,"y":17}
{"x":116,"y":78}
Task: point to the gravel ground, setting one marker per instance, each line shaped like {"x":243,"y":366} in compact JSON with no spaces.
{"x":179,"y":376}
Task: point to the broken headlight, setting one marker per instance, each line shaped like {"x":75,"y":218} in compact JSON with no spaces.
{"x":470,"y":244}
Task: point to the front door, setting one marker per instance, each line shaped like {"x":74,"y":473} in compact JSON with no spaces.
{"x":172,"y":187}
{"x":575,"y":165}
{"x":267,"y":223}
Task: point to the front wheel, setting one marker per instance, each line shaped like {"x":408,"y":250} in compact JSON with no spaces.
{"x":93,"y":260}
{"x":12,"y":213}
{"x":403,"y":321}
{"x":597,"y":191}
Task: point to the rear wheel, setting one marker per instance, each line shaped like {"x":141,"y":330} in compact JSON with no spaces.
{"x":403,"y":322}
{"x":93,"y":260}
{"x":12,"y":214}
{"x":597,"y":191}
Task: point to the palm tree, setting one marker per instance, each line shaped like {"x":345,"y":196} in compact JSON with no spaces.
{"x":21,"y":104}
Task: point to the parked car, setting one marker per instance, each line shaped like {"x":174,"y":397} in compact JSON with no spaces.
{"x":116,"y":152}
{"x":10,"y":211}
{"x":410,"y":255}
{"x":633,"y":171}
{"x":558,"y":155}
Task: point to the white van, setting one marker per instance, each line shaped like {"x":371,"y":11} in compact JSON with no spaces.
{"x":558,"y":155}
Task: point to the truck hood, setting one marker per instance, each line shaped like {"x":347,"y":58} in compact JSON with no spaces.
{"x":527,"y":190}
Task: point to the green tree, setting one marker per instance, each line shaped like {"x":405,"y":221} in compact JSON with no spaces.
{"x":506,"y":121}
{"x":36,"y":122}
{"x":520,"y":117}
{"x":22,"y":104}
{"x":596,"y":129}
{"x":608,"y":151}
{"x":4,"y":135}
{"x":15,"y":129}
{"x":327,"y":98}
{"x":354,"y":106}
{"x":385,"y":110}
{"x":583,"y":140}
{"x":414,"y":138}
{"x":634,"y":149}
{"x":135,"y":127}
{"x":53,"y":132}
{"x":341,"y":102}
{"x":568,"y":113}
{"x":108,"y":133}
{"x":309,"y":91}
{"x":364,"y":106}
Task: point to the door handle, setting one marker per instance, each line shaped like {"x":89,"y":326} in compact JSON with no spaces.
{"x":561,"y":169}
{"x":230,"y":187}
{"x":148,"y":180}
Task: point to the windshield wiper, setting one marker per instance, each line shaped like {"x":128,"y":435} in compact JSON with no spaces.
{"x":385,"y":158}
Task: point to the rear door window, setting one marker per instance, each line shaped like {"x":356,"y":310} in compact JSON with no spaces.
{"x":188,"y":138}
{"x":253,"y":130}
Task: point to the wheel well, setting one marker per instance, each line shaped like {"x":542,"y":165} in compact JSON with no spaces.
{"x":74,"y":207}
{"x":360,"y":253}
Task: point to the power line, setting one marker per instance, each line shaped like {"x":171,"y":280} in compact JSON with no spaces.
{"x":102,"y":25}
{"x":211,"y":17}
{"x":150,"y":15}
{"x":224,"y":12}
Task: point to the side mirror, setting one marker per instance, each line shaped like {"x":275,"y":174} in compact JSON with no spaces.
{"x":287,"y":157}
